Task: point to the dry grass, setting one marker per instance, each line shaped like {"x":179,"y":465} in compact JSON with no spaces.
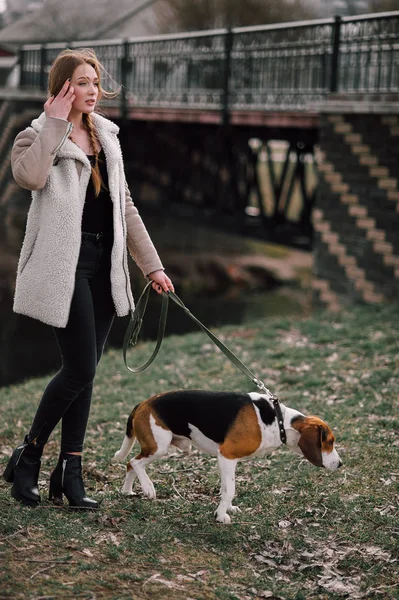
{"x":303,"y":533}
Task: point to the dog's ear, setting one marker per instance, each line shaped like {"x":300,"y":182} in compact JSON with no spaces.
{"x":311,"y":430}
{"x":310,"y":444}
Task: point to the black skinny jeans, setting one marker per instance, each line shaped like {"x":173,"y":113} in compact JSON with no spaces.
{"x":81,"y":342}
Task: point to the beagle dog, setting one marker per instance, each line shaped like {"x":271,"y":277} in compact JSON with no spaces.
{"x":231,"y":426}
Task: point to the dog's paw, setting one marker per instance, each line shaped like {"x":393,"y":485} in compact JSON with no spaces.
{"x":149,"y":491}
{"x":234,"y":509}
{"x":117,"y":457}
{"x":222,"y":518}
{"x":182,"y":444}
{"x":127,"y":491}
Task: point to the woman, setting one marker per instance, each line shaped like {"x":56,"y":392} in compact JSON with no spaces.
{"x":73,"y":272}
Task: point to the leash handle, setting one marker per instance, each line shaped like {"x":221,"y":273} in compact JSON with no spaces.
{"x":134,"y":327}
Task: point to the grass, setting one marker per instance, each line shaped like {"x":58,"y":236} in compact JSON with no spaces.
{"x":303,"y":533}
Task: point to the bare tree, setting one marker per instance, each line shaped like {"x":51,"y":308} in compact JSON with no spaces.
{"x":358,"y":7}
{"x":383,"y":5}
{"x":189,"y":15}
{"x":60,"y":20}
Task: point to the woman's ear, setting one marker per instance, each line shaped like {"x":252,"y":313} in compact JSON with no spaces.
{"x":310,"y":444}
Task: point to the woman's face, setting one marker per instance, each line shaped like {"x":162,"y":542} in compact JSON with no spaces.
{"x":85,"y":83}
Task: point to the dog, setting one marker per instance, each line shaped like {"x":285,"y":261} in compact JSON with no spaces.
{"x":229,"y":425}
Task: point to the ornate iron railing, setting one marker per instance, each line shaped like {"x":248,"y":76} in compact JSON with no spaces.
{"x":369,"y":54}
{"x":273,"y":67}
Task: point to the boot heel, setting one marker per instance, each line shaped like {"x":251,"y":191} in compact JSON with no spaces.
{"x":8,"y":474}
{"x":55,"y":494}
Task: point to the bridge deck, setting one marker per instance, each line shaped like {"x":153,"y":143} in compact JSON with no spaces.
{"x":266,"y":118}
{"x":207,"y":116}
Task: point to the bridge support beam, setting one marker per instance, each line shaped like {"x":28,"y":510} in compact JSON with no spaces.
{"x":356,"y":217}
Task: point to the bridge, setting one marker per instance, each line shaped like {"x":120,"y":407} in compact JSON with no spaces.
{"x":241,"y":73}
{"x":201,"y":114}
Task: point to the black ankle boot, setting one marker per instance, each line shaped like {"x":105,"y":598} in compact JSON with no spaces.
{"x":67,"y":479}
{"x":22,"y":471}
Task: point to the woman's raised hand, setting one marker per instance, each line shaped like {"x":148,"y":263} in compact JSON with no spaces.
{"x":59,"y":106}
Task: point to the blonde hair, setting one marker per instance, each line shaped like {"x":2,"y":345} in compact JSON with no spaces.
{"x":62,"y":69}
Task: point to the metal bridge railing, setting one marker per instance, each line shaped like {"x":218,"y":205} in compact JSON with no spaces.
{"x":273,"y":67}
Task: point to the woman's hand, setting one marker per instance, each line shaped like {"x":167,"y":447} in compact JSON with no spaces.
{"x":60,"y":106}
{"x":161,"y":282}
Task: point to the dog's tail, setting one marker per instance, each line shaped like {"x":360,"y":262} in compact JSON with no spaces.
{"x":129,"y":438}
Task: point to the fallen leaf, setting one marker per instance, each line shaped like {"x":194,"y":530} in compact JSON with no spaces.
{"x":377,"y":552}
{"x":345,"y":588}
{"x":114,"y":539}
{"x":264,"y":560}
{"x":156,"y":578}
{"x":284,"y":524}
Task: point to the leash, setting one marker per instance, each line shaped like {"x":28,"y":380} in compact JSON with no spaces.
{"x":133,"y":331}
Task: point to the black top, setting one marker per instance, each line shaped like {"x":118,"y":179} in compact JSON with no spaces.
{"x":97,"y":211}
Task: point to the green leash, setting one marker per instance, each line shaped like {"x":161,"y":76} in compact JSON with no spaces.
{"x":133,"y":331}
{"x":134,"y":327}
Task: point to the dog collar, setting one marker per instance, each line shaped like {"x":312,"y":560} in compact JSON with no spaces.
{"x":277,"y":408}
{"x":280,"y":419}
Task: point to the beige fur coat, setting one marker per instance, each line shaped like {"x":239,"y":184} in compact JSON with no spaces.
{"x":57,"y":171}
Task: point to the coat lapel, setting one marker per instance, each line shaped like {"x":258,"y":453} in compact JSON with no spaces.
{"x":71,"y":150}
{"x":106,"y":131}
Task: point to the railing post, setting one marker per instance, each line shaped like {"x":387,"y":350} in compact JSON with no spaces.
{"x":124,"y":74}
{"x":21,"y":57}
{"x":228,"y":44}
{"x":229,"y":193}
{"x":336,"y":40}
{"x":43,"y":61}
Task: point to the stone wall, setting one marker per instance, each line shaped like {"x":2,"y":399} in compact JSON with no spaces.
{"x":356,"y":218}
